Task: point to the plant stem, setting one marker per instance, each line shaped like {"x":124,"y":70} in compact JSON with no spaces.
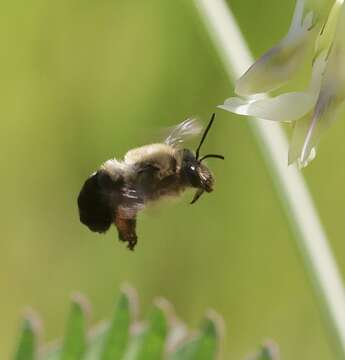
{"x":293,"y":191}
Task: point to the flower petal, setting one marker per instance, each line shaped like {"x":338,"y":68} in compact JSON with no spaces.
{"x":285,"y":107}
{"x":330,"y":99}
{"x":333,"y":83}
{"x":281,"y":62}
{"x":297,"y":142}
{"x":308,"y":130}
{"x":325,"y":38}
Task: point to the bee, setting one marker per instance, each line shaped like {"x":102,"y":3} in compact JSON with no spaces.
{"x":116,"y":192}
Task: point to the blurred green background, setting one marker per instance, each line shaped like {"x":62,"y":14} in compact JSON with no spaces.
{"x":83,"y":81}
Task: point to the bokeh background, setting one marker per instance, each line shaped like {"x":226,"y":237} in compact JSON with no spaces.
{"x":83,"y":81}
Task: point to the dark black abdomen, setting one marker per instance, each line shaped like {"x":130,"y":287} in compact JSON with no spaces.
{"x":96,"y":207}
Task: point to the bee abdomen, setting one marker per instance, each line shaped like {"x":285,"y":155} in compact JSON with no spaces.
{"x":96,"y":209}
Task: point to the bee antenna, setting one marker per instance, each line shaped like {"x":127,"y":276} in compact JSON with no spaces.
{"x":212,"y":156}
{"x":204,"y":135}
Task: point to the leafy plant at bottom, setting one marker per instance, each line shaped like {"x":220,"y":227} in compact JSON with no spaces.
{"x":160,"y":336}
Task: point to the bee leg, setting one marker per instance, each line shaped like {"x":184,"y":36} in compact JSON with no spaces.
{"x":126,"y":229}
{"x":132,"y":242}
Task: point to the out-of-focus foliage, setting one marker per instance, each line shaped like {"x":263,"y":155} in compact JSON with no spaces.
{"x":268,"y":351}
{"x":160,"y":336}
{"x":83,"y":81}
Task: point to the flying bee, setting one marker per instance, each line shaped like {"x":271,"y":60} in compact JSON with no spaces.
{"x":116,"y":192}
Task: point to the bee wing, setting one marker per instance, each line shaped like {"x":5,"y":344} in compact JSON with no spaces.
{"x":188,"y":128}
{"x":132,"y":202}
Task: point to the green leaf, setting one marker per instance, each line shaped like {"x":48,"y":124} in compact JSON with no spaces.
{"x":203,"y":346}
{"x":52,"y":353}
{"x":27,"y":344}
{"x":123,"y":338}
{"x":148,"y":343}
{"x":74,"y":344}
{"x":117,"y":336}
{"x":96,"y":342}
{"x":269,"y":351}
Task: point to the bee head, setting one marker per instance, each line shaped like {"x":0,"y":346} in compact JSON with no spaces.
{"x":197,"y":174}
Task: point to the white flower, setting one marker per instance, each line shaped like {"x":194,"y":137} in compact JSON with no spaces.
{"x":281,"y":62}
{"x":285,"y":107}
{"x":312,"y":110}
{"x":331,"y":96}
